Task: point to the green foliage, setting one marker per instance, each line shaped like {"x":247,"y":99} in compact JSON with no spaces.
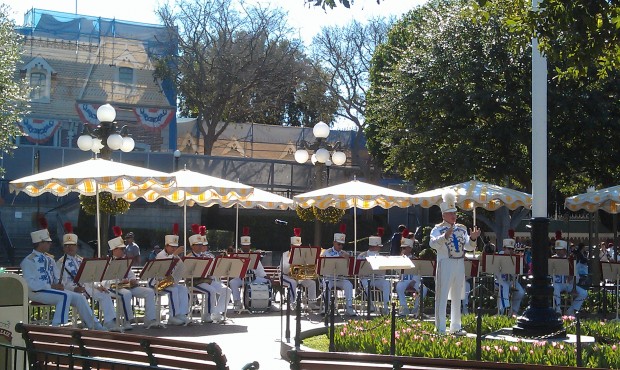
{"x":418,"y":339}
{"x":329,"y":215}
{"x":108,"y":204}
{"x":14,"y":94}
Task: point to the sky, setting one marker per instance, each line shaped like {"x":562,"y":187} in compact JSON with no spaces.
{"x":307,"y":20}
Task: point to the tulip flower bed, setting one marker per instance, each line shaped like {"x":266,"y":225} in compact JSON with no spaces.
{"x":418,"y":339}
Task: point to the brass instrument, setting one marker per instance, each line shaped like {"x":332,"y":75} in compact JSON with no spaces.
{"x":303,"y":272}
{"x":116,"y":286}
{"x":164,"y":283}
{"x":196,"y":281}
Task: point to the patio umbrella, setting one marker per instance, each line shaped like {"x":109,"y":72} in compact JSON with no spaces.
{"x":91,"y":177}
{"x":473,"y":194}
{"x":194,"y":187}
{"x":607,"y":199}
{"x":354,"y":194}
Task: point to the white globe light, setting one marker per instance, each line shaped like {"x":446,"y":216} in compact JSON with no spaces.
{"x":106,"y":113}
{"x":322,"y":155}
{"x":97,"y":146}
{"x":329,"y":163}
{"x":339,"y":158}
{"x":313,"y":159}
{"x":301,"y":155}
{"x":320,"y":130}
{"x":85,"y":142}
{"x":128,"y":144}
{"x":115,"y":141}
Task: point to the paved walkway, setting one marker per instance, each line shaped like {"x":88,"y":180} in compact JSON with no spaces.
{"x":243,"y":337}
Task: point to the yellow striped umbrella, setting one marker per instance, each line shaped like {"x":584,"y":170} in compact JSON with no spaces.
{"x":91,"y":177}
{"x":354,"y":194}
{"x":473,"y":194}
{"x":607,"y":199}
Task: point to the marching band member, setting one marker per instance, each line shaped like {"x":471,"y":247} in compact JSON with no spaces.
{"x":178,"y":295}
{"x":450,"y":240}
{"x":409,"y":281}
{"x":130,"y":287}
{"x":69,"y":264}
{"x":566,"y":284}
{"x":42,"y":276}
{"x":339,"y":281}
{"x":260,"y":276}
{"x":212,"y":288}
{"x":287,"y":280}
{"x":376,"y":280}
{"x":509,"y":282}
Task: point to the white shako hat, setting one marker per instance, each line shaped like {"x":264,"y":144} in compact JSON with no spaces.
{"x":40,"y":236}
{"x":375,"y":241}
{"x":245,"y":239}
{"x":560,"y":244}
{"x":173,"y":239}
{"x":69,"y":237}
{"x":117,"y":242}
{"x":341,"y":237}
{"x":508,"y":243}
{"x":449,"y":201}
{"x":196,"y":238}
{"x":296,"y":240}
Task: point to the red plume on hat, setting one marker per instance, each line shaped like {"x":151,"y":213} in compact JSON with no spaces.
{"x":297,"y":231}
{"x":175,"y":229}
{"x":343,"y":228}
{"x":511,"y":233}
{"x":558,"y":235}
{"x":405,"y":233}
{"x":68,"y":227}
{"x":117,"y":231}
{"x":195,"y":228}
{"x":203,"y":230}
{"x":42,"y":222}
{"x":245,"y":231}
{"x":380,"y":231}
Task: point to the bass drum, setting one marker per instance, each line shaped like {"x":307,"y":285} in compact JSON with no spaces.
{"x":257,"y":297}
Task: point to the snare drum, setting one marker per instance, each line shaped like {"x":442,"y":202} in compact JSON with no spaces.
{"x":257,"y":297}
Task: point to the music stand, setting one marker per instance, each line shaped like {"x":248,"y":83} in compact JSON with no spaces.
{"x":560,"y":266}
{"x":303,"y":255}
{"x":472,"y":271}
{"x":253,"y":256}
{"x":117,"y":270}
{"x":157,"y":269}
{"x":611,"y":271}
{"x":422,"y":268}
{"x":229,"y":267}
{"x":91,"y":270}
{"x":501,"y":264}
{"x":333,"y":267}
{"x":195,"y":267}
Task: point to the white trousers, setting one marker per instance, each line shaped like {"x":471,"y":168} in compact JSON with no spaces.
{"x":402,"y":286}
{"x":506,"y":300}
{"x":383,"y":285}
{"x":558,"y":288}
{"x":63,"y":299}
{"x":309,"y":284}
{"x":216,"y":294}
{"x":148,"y":294}
{"x":343,"y":284}
{"x":178,"y":299}
{"x":105,"y":304}
{"x":449,"y":284}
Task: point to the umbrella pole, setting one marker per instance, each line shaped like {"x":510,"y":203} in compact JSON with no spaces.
{"x":355,"y":229}
{"x":237,"y":228}
{"x":474,"y":216}
{"x":98,"y":220}
{"x":184,"y":222}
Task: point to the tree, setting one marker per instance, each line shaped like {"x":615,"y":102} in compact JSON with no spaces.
{"x":13,"y":93}
{"x":234,"y":64}
{"x":583,"y":34}
{"x":332,"y":3}
{"x":344,"y":53}
{"x":450,"y":98}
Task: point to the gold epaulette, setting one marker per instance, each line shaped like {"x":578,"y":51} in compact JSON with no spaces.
{"x":31,"y":256}
{"x":49,"y":255}
{"x":460,"y":225}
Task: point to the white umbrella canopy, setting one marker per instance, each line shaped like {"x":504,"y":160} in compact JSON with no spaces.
{"x":354,"y":194}
{"x":91,"y":177}
{"x":259,"y":198}
{"x":473,"y":194}
{"x":607,"y":199}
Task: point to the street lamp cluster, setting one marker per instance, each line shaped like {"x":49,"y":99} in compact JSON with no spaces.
{"x":324,"y":153}
{"x":105,"y":137}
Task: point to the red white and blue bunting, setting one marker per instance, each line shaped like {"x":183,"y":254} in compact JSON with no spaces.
{"x":154,"y":118}
{"x":88,"y":113}
{"x":39,"y":130}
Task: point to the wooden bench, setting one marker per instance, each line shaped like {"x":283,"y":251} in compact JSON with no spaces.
{"x":312,"y":360}
{"x":53,"y":347}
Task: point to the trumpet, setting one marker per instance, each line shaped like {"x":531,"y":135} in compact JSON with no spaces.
{"x":164,"y":283}
{"x":303,"y":272}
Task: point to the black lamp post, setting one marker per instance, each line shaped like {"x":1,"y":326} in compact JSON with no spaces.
{"x":105,"y":138}
{"x":325,"y":155}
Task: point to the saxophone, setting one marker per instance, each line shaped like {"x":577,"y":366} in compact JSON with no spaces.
{"x":303,"y":272}
{"x":164,"y":283}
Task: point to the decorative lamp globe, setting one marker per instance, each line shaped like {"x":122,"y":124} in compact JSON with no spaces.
{"x":128,"y":144}
{"x":339,"y":158}
{"x":320,"y":130}
{"x":301,"y":155}
{"x":313,"y":158}
{"x":106,"y":113}
{"x":85,"y":142}
{"x":115,"y":141}
{"x":322,"y":155}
